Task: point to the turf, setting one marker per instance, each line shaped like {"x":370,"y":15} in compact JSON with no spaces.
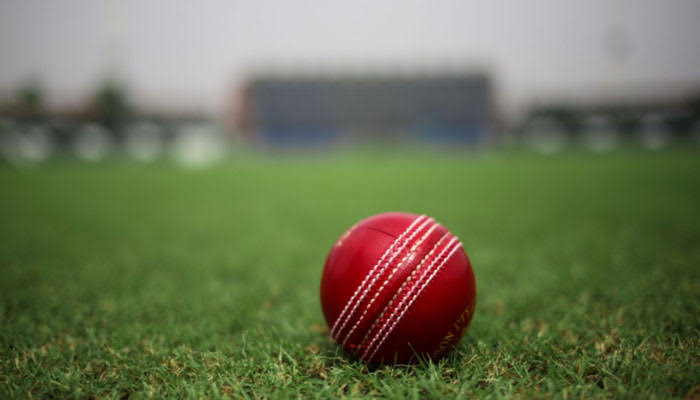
{"x":123,"y":280}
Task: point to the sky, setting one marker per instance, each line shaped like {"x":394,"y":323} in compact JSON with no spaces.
{"x":193,"y":55}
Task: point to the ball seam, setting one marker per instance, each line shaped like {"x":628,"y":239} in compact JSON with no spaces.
{"x":411,"y":251}
{"x":407,"y":281}
{"x":342,"y":320}
{"x":407,"y":291}
{"x":454,"y":249}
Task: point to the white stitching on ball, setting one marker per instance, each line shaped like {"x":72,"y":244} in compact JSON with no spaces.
{"x":413,"y":299}
{"x":422,"y":274}
{"x":403,"y":285}
{"x":342,"y":316}
{"x":411,"y":252}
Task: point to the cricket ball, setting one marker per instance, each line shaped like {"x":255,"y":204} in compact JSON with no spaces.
{"x":396,"y":286}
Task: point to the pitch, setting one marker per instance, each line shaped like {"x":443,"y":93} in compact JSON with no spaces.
{"x":142,"y":280}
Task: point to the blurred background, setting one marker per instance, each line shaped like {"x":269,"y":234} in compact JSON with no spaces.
{"x":199,"y":81}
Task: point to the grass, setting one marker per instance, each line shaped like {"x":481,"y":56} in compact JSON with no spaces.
{"x":120,"y":280}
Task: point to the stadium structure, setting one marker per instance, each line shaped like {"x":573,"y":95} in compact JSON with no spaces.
{"x":319,"y":111}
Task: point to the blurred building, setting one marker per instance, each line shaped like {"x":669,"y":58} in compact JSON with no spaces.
{"x":673,"y":112}
{"x":302,"y":111}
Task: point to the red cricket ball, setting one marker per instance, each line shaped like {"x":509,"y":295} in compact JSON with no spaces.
{"x":396,"y":285}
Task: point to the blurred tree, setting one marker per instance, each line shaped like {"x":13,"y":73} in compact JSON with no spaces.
{"x":111,"y":106}
{"x":29,"y":100}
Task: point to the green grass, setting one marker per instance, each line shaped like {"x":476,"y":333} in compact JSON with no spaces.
{"x":120,"y":280}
